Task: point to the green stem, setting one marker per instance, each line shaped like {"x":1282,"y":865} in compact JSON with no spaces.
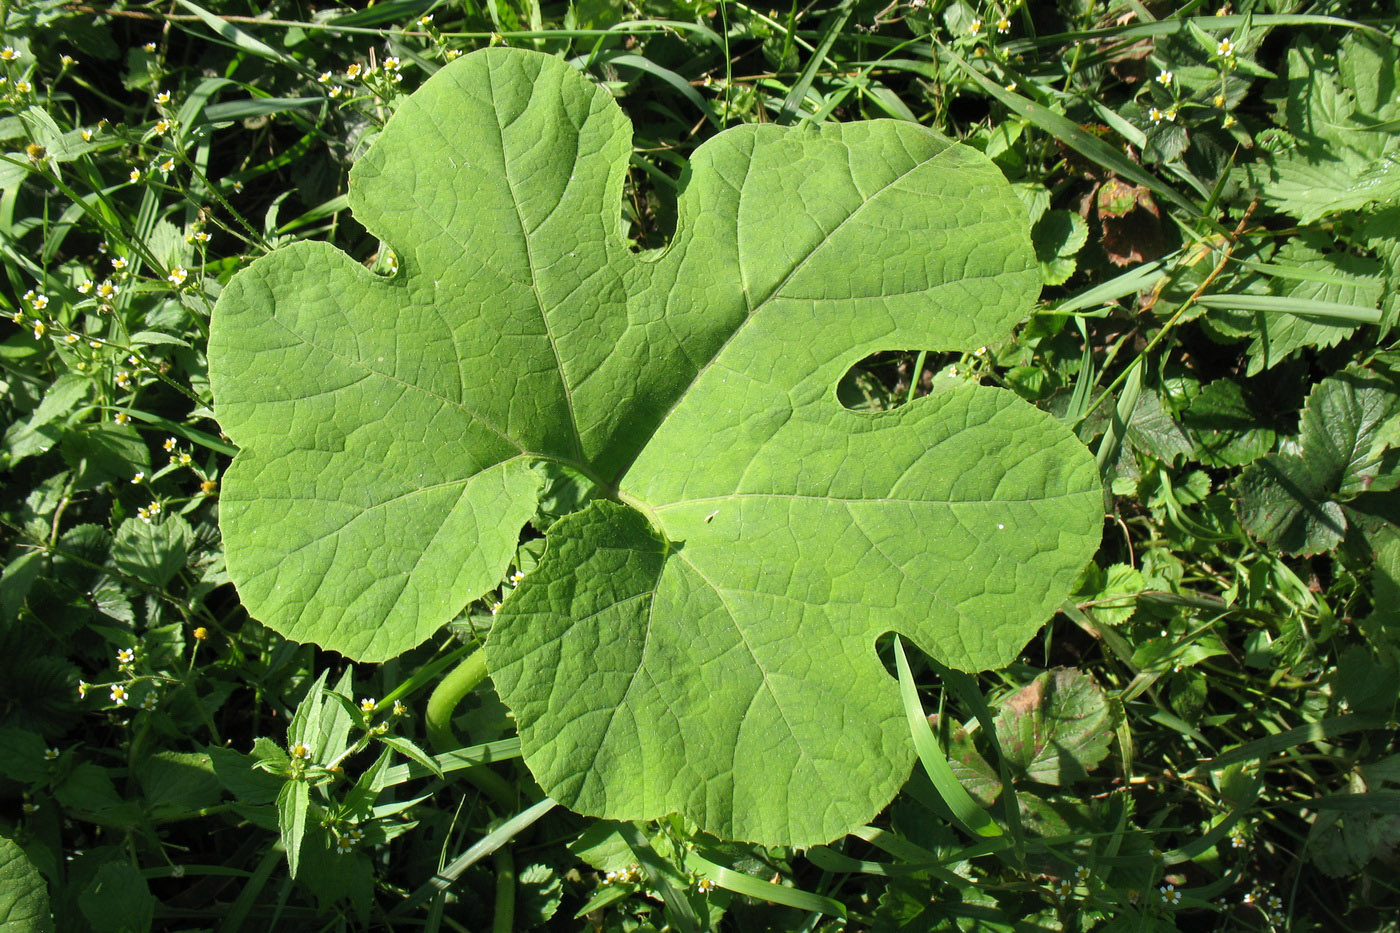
{"x":504,"y":919}
{"x":449,"y":693}
{"x":446,"y":697}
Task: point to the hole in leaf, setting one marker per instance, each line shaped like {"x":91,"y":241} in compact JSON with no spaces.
{"x":881,"y":381}
{"x":649,"y":197}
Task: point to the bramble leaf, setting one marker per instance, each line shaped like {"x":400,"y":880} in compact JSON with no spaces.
{"x":700,"y":637}
{"x":1292,"y":501}
{"x":1338,"y":110}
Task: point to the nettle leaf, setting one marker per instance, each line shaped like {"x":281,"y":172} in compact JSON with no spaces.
{"x":1058,"y":237}
{"x":1336,"y":109}
{"x":1225,"y":429}
{"x":1292,"y":500}
{"x":700,"y":637}
{"x":1314,"y":275}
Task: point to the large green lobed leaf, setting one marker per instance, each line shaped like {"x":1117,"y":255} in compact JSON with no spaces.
{"x":701,"y":638}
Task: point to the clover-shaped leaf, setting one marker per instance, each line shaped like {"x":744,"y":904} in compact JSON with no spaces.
{"x":701,"y":636}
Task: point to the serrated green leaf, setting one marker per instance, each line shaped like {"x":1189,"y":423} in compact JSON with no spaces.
{"x":118,"y":900}
{"x":1284,"y":503}
{"x":1058,"y":236}
{"x":1291,"y":500}
{"x":1330,"y":105}
{"x":1225,"y":431}
{"x":102,"y":452}
{"x":236,"y":772}
{"x":1346,"y":427}
{"x":754,"y":537}
{"x":153,"y":552}
{"x":1337,"y":278}
{"x":293,"y":807}
{"x":177,"y":784}
{"x":1153,"y":431}
{"x":24,"y":895}
{"x":1057,"y":728}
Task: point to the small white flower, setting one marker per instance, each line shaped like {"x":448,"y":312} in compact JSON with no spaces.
{"x":1155,"y":116}
{"x":1226,"y":48}
{"x":353,"y":71}
{"x":325,"y":77}
{"x":1170,"y":895}
{"x":24,"y":87}
{"x":391,"y":63}
{"x":87,"y":135}
{"x":705,"y":885}
{"x":162,"y":126}
{"x":975,"y":28}
{"x":337,"y":91}
{"x":67,"y":61}
{"x":1003,"y":25}
{"x":39,"y":329}
{"x":178,"y":275}
{"x":118,"y":695}
{"x":1165,"y":77}
{"x":134,"y":174}
{"x":123,"y":380}
{"x":106,"y":290}
{"x":70,"y":339}
{"x":453,"y":54}
{"x":300,"y":751}
{"x":10,"y":54}
{"x":495,"y":607}
{"x":368,"y":705}
{"x":149,"y":47}
{"x":168,"y":165}
{"x":344,"y":845}
{"x":126,"y":655}
{"x":51,"y":754}
{"x":122,"y":417}
{"x":149,"y":702}
{"x":39,"y":302}
{"x":163,"y":97}
{"x":139,"y":478}
{"x":425,"y":19}
{"x":85,"y":286}
{"x":516,"y":577}
{"x":118,"y":264}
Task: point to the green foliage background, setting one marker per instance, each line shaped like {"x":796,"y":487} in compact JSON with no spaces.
{"x":1203,"y":738}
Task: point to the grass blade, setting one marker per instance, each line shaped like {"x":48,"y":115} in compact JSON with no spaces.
{"x":749,"y":886}
{"x":1303,"y":307}
{"x":959,"y":801}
